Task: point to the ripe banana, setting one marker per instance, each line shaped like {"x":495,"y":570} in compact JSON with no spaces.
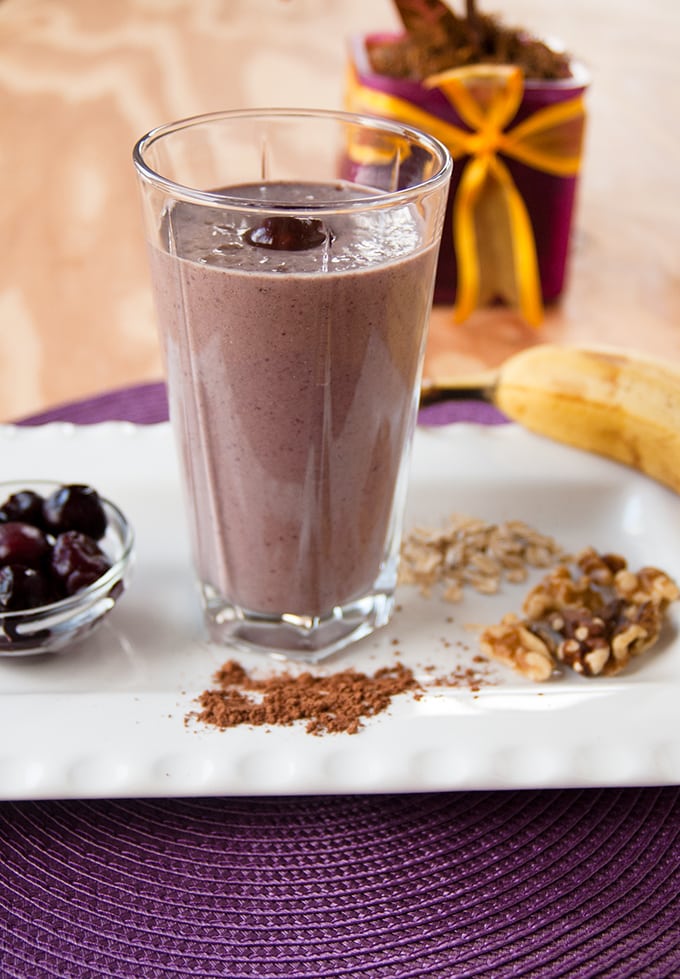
{"x":621,"y":405}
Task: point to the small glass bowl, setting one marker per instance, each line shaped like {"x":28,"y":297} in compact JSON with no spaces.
{"x":54,"y":627}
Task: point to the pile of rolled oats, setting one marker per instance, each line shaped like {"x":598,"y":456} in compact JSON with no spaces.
{"x":471,"y":552}
{"x":593,"y":617}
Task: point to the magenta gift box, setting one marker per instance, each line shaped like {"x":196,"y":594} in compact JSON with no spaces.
{"x":549,"y":198}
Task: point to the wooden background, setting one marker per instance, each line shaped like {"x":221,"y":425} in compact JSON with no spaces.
{"x":80,"y":80}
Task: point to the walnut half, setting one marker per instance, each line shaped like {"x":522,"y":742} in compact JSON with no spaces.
{"x":512,"y":642}
{"x":593,"y":617}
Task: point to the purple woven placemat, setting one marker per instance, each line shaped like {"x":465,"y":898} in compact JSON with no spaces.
{"x":144,"y":404}
{"x":537,"y":884}
{"x":450,"y":885}
{"x":148,"y":404}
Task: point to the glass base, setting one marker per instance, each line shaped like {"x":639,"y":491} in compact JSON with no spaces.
{"x":305,"y":638}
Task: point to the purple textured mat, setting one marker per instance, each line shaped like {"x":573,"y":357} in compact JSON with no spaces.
{"x":148,"y":404}
{"x":145,"y":404}
{"x":497,"y":884}
{"x":488,"y":884}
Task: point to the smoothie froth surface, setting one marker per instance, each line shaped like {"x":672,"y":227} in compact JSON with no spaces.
{"x":222,"y":235}
{"x":300,"y":394}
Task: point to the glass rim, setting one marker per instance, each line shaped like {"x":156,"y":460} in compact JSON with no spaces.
{"x":386,"y":198}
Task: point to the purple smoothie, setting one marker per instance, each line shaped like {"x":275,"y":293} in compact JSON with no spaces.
{"x":292,"y":373}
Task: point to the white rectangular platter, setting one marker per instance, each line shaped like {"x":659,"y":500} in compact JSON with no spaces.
{"x":109,"y":718}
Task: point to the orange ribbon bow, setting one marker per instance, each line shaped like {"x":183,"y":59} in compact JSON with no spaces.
{"x":486,"y":98}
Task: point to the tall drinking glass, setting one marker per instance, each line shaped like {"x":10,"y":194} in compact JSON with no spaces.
{"x":292,"y":260}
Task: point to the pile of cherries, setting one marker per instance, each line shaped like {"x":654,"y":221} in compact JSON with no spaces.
{"x":49,"y":545}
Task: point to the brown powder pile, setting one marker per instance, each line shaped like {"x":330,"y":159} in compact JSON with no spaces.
{"x":330,"y":704}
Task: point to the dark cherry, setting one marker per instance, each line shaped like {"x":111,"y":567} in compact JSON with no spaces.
{"x":288,"y":234}
{"x":23,"y":588}
{"x":22,"y":543}
{"x":77,"y":560}
{"x":25,"y":506}
{"x":75,"y":507}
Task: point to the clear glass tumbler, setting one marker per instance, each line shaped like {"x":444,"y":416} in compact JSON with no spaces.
{"x":292,"y":259}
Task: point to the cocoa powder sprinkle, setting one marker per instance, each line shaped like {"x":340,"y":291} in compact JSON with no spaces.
{"x":331,"y":704}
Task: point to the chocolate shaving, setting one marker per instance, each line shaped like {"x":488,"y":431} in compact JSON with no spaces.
{"x":437,"y":40}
